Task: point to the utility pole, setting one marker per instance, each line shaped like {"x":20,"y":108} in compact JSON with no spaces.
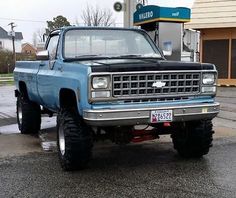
{"x":12,"y":34}
{"x":130,"y":7}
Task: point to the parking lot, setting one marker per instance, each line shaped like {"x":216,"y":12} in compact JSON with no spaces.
{"x":29,"y":165}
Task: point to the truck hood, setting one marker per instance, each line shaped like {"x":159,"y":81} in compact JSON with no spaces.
{"x":128,"y":65}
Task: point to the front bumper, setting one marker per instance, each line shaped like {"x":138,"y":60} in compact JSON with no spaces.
{"x":122,"y":117}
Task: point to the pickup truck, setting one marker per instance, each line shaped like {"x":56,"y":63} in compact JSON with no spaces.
{"x":114,"y":83}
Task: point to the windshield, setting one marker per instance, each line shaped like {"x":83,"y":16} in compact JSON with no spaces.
{"x":107,"y":43}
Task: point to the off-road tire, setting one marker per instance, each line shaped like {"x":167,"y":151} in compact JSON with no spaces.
{"x":193,"y":139}
{"x":77,"y":140}
{"x":31,"y":116}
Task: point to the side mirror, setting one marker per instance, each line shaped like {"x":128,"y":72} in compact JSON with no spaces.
{"x":43,"y":55}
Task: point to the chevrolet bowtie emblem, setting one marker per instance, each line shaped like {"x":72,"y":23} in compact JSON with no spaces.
{"x":159,"y":84}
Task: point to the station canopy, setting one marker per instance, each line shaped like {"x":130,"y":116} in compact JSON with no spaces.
{"x":152,"y":13}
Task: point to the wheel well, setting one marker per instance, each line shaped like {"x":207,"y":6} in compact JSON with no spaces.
{"x":23,"y":89}
{"x":67,"y":98}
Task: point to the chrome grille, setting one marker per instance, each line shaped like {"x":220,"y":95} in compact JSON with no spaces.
{"x":157,"y":100}
{"x":133,"y":85}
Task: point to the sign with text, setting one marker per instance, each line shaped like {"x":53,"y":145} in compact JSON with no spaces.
{"x":151,"y":13}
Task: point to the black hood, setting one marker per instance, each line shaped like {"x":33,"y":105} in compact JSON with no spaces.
{"x":129,"y":65}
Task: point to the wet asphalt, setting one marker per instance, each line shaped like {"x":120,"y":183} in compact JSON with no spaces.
{"x":149,"y":169}
{"x":141,"y":170}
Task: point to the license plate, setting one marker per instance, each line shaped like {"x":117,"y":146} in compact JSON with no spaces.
{"x":161,"y":116}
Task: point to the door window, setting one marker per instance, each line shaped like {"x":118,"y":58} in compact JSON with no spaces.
{"x":52,"y":47}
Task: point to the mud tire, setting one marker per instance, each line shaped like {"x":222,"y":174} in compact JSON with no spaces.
{"x":77,"y":140}
{"x":194,"y":139}
{"x":28,"y":116}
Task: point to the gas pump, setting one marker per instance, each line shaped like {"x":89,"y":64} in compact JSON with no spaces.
{"x":165,"y":26}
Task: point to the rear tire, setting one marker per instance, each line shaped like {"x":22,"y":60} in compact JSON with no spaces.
{"x":194,"y":139}
{"x":74,"y":140}
{"x":28,"y":116}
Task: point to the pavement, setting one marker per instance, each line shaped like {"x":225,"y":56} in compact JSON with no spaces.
{"x":29,"y":165}
{"x":142,"y":170}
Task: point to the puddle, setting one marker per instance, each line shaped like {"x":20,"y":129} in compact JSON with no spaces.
{"x":13,"y":128}
{"x":47,"y":134}
{"x":9,"y":129}
{"x":48,"y":140}
{"x":49,"y":146}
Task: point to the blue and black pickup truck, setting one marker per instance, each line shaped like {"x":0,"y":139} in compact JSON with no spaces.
{"x":114,"y":83}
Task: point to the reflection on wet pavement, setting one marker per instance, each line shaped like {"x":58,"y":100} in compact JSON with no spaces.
{"x":47,"y":133}
{"x":48,"y":139}
{"x":49,"y":145}
{"x":13,"y":128}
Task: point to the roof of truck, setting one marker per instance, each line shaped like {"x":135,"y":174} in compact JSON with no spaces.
{"x":66,"y":28}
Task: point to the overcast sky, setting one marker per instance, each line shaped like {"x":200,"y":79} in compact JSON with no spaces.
{"x":31,"y":15}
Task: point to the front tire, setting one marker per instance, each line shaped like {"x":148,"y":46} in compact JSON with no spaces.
{"x":28,"y":116}
{"x":193,"y":139}
{"x":74,"y":140}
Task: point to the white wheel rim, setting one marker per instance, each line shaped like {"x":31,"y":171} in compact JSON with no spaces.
{"x":20,"y":115}
{"x":61,"y":140}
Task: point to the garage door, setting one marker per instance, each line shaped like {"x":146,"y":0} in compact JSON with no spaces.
{"x":233,"y":59}
{"x":217,"y":52}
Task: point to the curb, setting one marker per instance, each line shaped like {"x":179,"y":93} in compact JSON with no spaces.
{"x":225,"y":85}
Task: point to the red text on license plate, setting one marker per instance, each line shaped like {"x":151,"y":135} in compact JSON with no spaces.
{"x":161,"y":116}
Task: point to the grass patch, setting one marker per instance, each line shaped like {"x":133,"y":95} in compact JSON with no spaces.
{"x":7,"y":83}
{"x":6,"y":75}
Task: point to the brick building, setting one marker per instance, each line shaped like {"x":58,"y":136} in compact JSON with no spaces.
{"x":27,"y":48}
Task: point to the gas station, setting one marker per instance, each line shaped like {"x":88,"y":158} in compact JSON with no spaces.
{"x":165,"y":26}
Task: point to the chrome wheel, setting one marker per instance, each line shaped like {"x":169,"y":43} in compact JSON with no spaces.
{"x":61,"y":140}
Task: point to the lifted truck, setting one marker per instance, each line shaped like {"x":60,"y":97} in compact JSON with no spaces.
{"x":108,"y":83}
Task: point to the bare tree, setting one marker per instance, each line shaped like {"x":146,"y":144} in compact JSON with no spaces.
{"x":144,"y":2}
{"x":35,"y":40}
{"x":38,"y":36}
{"x":107,"y":18}
{"x":95,"y":16}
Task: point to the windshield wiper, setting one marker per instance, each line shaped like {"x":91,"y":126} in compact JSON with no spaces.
{"x":137,"y":56}
{"x":111,"y":57}
{"x":87,"y":56}
{"x":128,"y":56}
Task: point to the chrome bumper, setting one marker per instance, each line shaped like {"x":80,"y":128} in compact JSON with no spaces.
{"x":122,"y":117}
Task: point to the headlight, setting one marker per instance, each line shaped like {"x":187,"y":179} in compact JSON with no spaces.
{"x":100,"y":82}
{"x":208,"y":79}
